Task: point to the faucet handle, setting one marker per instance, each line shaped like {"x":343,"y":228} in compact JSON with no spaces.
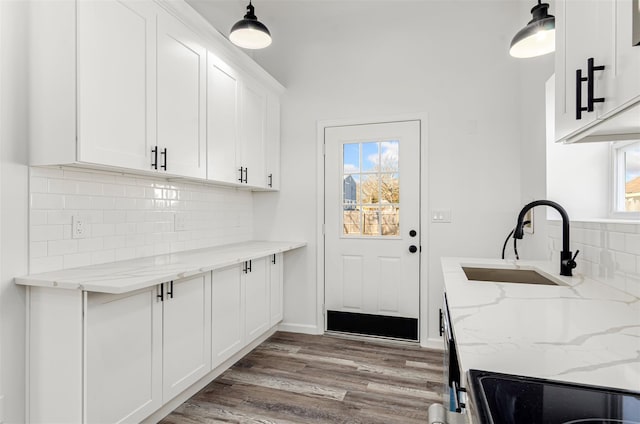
{"x":572,"y":262}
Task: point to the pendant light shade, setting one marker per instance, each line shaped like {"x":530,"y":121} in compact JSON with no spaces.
{"x":250,"y":33}
{"x":538,"y":37}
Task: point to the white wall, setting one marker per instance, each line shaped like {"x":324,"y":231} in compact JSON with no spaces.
{"x":346,"y":60}
{"x":14,"y":206}
{"x":534,"y":72}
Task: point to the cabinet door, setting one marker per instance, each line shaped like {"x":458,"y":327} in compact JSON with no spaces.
{"x":257,"y":300}
{"x":584,"y":30}
{"x":276,"y":289}
{"x":626,"y":67}
{"x":227,"y":320}
{"x":254,"y":113}
{"x":123,"y":356}
{"x":222,"y":121}
{"x":116,"y":82}
{"x":181,"y":98}
{"x":273,"y":142}
{"x":186,"y":333}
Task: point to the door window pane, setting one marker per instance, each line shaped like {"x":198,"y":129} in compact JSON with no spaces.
{"x":351,"y":158}
{"x":390,"y":218}
{"x":371,"y":188}
{"x":389,"y":156}
{"x":351,"y":221}
{"x":370,"y":156}
{"x":371,"y":221}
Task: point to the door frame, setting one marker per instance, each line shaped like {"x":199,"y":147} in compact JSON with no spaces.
{"x":424,"y":223}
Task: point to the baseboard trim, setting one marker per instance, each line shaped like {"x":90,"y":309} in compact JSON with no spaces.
{"x":202,"y":383}
{"x":432,"y":343}
{"x":300,"y":328}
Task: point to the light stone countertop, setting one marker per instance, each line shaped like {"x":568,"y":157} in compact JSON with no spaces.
{"x":134,"y":274}
{"x":583,"y":332}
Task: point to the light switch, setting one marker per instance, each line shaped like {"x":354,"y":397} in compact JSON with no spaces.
{"x":441,"y":216}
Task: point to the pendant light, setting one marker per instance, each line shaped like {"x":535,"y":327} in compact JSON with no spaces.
{"x":249,"y":32}
{"x":538,"y":37}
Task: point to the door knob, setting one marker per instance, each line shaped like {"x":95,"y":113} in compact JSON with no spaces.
{"x":413,"y":249}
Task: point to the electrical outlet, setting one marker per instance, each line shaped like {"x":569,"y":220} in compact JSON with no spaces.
{"x":78,"y":228}
{"x":179,"y":222}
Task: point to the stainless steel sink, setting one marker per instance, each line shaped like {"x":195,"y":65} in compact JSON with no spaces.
{"x":506,"y":275}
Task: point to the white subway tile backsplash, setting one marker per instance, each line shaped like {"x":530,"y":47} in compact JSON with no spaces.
{"x":103,"y":256}
{"x":38,"y":249}
{"x":77,"y":259}
{"x":45,"y":264}
{"x":62,"y":186}
{"x":632,"y":243}
{"x":63,"y":247}
{"x":45,"y":232}
{"x":38,"y":217}
{"x":127,"y":217}
{"x":609,"y":252}
{"x":47,"y":201}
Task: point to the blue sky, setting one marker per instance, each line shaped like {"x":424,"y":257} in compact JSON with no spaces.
{"x":371,"y":155}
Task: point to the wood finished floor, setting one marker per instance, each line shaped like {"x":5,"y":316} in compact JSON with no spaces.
{"x":295,"y":378}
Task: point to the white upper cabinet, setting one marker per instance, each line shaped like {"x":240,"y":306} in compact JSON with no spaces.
{"x":597,"y":68}
{"x":136,"y":85}
{"x":116,"y":75}
{"x":253,"y":120}
{"x":625,"y":73}
{"x":273,"y":142}
{"x":222,"y":121}
{"x":181,"y":98}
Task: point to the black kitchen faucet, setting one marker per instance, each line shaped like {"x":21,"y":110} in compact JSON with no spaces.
{"x":567,"y":261}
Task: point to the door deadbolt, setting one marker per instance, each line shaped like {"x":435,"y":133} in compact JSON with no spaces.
{"x":413,"y":233}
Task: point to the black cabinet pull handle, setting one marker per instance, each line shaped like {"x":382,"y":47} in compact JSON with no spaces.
{"x":154,"y":153}
{"x":246,"y":175}
{"x":249,"y":266}
{"x":273,"y":261}
{"x":161,"y":295}
{"x":241,"y":179}
{"x":245,"y":267}
{"x":164,"y":153}
{"x":271,"y":182}
{"x":170,"y":291}
{"x":590,"y":85}
{"x":579,"y":80}
{"x":441,"y":324}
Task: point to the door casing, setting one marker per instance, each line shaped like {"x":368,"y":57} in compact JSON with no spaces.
{"x":424,"y":223}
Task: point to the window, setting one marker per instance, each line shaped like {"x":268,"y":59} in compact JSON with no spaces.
{"x":626,"y":187}
{"x":371,"y":189}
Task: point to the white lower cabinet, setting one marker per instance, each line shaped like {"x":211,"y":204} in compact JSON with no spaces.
{"x":123,"y":346}
{"x":227,"y":313}
{"x":186,"y":333}
{"x":276,"y":288}
{"x":118,"y":358}
{"x":256,"y":299}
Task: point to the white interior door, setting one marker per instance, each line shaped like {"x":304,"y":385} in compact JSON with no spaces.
{"x":372,"y":220}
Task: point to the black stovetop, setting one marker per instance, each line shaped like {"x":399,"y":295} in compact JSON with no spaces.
{"x":510,"y":399}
